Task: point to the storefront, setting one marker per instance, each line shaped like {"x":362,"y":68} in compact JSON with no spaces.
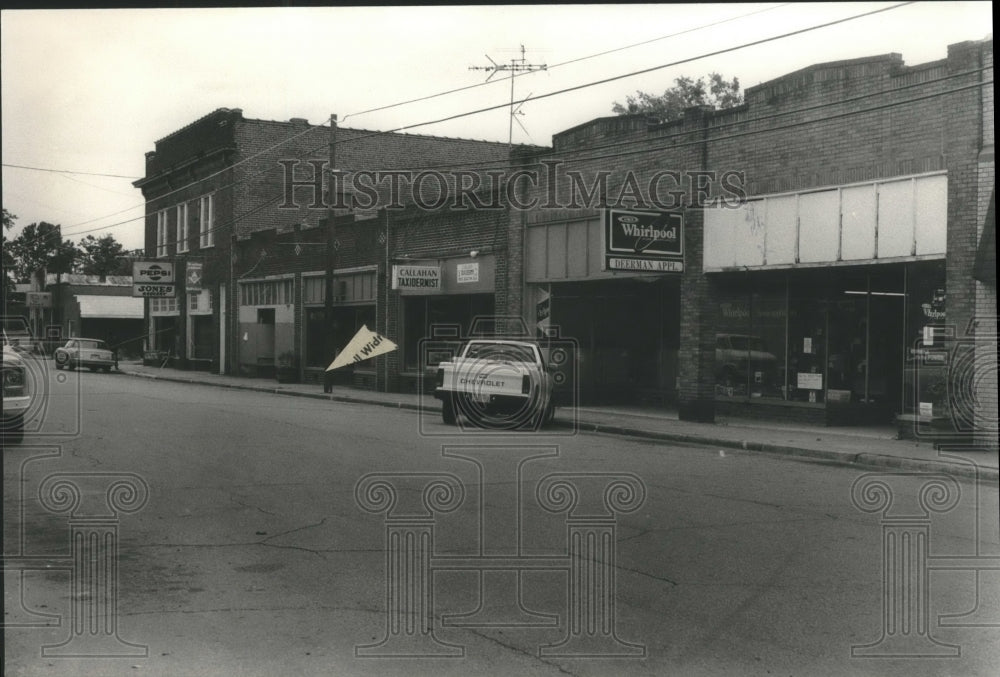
{"x":164,"y":318}
{"x":624,"y":324}
{"x":840,"y":340}
{"x":440,"y":295}
{"x":354,"y":303}
{"x":266,"y":324}
{"x":823,"y":298}
{"x":201,"y":338}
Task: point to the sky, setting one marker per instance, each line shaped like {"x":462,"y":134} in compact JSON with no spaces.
{"x":86,"y":93}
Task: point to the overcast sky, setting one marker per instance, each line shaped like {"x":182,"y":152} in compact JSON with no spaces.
{"x":90,"y":91}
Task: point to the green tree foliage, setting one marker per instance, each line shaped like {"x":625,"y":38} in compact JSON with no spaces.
{"x":717,"y":92}
{"x":104,"y":256}
{"x":41,"y":245}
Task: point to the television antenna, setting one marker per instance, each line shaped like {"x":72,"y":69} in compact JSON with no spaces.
{"x":516,"y":65}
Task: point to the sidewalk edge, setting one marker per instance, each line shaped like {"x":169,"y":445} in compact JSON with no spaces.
{"x":864,"y":460}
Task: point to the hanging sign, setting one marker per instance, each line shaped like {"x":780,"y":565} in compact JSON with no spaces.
{"x":152,"y":271}
{"x":193,"y":276}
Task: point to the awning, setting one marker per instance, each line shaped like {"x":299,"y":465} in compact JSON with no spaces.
{"x":110,"y":307}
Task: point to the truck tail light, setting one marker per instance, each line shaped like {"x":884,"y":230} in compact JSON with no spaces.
{"x":525,"y":384}
{"x":440,"y":378}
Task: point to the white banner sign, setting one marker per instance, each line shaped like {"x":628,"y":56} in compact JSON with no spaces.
{"x":365,"y":345}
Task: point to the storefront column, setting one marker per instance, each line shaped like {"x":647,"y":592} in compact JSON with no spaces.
{"x":696,"y":358}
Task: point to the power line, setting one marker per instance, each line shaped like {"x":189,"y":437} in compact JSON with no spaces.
{"x":69,"y":171}
{"x":651,"y":69}
{"x":566,"y":63}
{"x":586,"y":158}
{"x":495,"y":107}
{"x":736,"y":135}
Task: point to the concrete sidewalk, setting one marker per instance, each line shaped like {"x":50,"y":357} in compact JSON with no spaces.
{"x":867,"y":447}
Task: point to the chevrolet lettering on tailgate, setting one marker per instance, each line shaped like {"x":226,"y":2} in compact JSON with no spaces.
{"x":496,"y":384}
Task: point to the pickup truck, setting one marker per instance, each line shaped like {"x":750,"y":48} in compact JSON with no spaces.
{"x":496,"y":383}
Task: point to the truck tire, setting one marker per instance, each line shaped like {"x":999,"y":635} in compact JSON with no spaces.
{"x":448,"y":410}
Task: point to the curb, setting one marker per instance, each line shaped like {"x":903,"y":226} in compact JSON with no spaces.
{"x":861,"y":460}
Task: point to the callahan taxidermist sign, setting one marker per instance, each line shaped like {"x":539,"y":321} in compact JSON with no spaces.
{"x":643,"y":241}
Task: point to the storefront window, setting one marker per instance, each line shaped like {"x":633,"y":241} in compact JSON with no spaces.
{"x":750,"y":346}
{"x":766,"y":346}
{"x":925,"y":370}
{"x":807,"y":338}
{"x":347,"y":320}
{"x":420,"y":313}
{"x":732,"y":345}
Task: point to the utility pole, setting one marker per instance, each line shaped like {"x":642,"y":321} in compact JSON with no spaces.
{"x":331,"y":254}
{"x":515,"y":66}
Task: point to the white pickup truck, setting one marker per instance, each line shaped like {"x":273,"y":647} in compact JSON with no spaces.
{"x":496,"y":383}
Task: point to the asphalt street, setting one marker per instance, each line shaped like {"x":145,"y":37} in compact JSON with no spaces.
{"x":266,"y":535}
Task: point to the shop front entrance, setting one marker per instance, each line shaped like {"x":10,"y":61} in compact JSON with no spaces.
{"x":627,"y":333}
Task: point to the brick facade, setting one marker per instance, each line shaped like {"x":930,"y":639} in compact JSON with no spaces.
{"x":825,"y":126}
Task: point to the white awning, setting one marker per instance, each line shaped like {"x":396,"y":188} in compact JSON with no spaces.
{"x":110,"y":307}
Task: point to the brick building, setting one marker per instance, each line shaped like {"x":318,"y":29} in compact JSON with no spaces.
{"x":813,"y":296}
{"x":824,"y":269}
{"x":212,"y":185}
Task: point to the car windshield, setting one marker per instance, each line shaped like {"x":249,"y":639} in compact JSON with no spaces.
{"x":500,"y":352}
{"x":87,"y":344}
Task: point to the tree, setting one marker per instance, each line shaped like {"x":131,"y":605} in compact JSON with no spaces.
{"x":103,"y":256}
{"x":718,"y":93}
{"x":41,"y":246}
{"x":8,"y":258}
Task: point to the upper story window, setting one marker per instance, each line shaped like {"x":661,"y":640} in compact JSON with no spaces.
{"x":266,"y":292}
{"x":206,"y":218}
{"x":161,"y":232}
{"x":182,"y":227}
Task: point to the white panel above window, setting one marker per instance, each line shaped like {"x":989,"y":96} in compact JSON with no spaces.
{"x":895,"y":219}
{"x":871,"y":222}
{"x":857,"y":213}
{"x":819,"y":227}
{"x":932,"y":215}
{"x":778,"y":219}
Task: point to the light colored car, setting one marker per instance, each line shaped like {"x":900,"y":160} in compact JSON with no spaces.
{"x":83,"y":352}
{"x":16,"y":394}
{"x":497,"y":383}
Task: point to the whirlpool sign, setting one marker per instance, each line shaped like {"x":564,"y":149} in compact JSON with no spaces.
{"x":643,"y":241}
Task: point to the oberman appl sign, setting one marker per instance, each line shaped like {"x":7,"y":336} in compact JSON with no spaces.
{"x":643,"y":241}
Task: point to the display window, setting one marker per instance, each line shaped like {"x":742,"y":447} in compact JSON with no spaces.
{"x":422,"y":313}
{"x":831,"y":336}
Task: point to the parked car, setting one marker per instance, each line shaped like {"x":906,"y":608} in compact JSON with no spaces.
{"x":83,"y":352}
{"x":16,"y":393}
{"x":496,"y":383}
